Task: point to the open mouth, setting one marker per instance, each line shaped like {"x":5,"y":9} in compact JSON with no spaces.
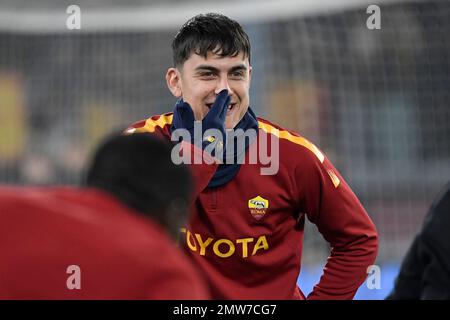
{"x":231,"y":107}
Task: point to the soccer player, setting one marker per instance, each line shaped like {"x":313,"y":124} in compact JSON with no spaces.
{"x":425,"y":271}
{"x":108,"y":240}
{"x":246,"y":226}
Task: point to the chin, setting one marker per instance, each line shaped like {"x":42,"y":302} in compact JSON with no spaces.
{"x":230,"y":124}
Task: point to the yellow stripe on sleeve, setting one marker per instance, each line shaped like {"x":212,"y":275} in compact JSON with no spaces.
{"x":150,"y":124}
{"x":334,"y":178}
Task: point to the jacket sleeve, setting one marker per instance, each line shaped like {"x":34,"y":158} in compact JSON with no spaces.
{"x":332,"y":206}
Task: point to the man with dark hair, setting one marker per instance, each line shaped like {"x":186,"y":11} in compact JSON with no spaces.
{"x":425,"y":271}
{"x":104,"y":241}
{"x":246,"y":226}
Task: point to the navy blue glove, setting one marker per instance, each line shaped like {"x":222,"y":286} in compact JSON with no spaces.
{"x":183,"y":117}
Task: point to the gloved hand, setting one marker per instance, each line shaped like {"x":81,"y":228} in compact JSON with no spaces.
{"x":215,"y":119}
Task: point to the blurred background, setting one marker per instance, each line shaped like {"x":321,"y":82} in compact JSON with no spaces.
{"x":375,"y":101}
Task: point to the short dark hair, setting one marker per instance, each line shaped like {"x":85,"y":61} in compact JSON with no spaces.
{"x":210,"y":32}
{"x":138,"y":170}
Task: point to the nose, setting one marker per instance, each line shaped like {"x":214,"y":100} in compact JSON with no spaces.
{"x":223,"y":84}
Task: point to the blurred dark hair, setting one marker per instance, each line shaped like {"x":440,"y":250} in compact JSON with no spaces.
{"x":138,"y":170}
{"x":210,"y":32}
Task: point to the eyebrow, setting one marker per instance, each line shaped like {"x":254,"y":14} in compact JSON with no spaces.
{"x":203,"y":67}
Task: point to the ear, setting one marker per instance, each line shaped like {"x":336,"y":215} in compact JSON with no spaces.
{"x":249,"y":75}
{"x":173,"y":79}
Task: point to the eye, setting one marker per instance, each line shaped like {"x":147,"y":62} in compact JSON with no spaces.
{"x":207,"y":75}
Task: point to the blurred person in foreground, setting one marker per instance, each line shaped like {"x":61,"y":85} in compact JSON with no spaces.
{"x":246,"y":226}
{"x":425,"y":270}
{"x":112,"y":239}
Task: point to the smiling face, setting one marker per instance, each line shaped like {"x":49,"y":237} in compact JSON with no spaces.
{"x":200,"y":80}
